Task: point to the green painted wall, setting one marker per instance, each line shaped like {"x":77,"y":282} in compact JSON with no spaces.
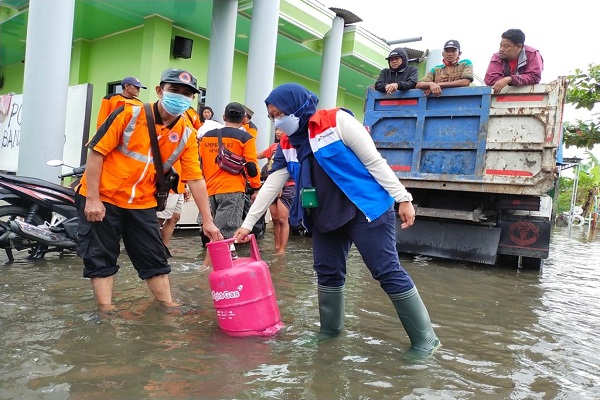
{"x":110,"y":60}
{"x":356,"y":105}
{"x":198,"y":63}
{"x":13,"y":78}
{"x":144,"y":52}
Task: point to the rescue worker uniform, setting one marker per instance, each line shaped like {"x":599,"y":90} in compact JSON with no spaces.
{"x":127,"y":189}
{"x":226,"y":191}
{"x":110,"y":103}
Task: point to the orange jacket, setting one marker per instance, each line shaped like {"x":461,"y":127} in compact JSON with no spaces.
{"x":128,"y":177}
{"x":251,"y":128}
{"x":237,"y":141}
{"x":110,"y":103}
{"x":194,"y":118}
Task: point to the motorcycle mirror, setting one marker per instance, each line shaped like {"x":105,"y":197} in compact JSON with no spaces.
{"x":55,"y":163}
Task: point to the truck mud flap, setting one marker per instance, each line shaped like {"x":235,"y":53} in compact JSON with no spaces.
{"x":523,"y":236}
{"x":471,"y":243}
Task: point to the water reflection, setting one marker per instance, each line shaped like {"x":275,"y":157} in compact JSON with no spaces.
{"x":506,"y":333}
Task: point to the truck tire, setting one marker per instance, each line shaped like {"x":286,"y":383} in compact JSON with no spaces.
{"x":578,"y":220}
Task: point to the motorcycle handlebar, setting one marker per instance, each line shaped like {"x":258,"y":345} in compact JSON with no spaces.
{"x":76,"y":172}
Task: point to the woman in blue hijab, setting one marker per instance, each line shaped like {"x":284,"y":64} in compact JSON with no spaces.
{"x":345,"y":194}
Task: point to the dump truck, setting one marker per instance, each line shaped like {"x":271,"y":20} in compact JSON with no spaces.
{"x":480,"y":167}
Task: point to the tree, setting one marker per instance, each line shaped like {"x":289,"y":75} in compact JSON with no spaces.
{"x":587,"y":188}
{"x":583,"y":92}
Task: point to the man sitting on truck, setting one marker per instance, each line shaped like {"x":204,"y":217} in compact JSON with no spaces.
{"x":452,"y":73}
{"x":399,"y":75}
{"x":515,"y":64}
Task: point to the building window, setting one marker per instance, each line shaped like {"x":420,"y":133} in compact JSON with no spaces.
{"x":114,"y":87}
{"x":201,"y":97}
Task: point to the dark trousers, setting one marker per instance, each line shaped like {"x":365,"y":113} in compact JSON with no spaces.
{"x":99,"y":243}
{"x":376,"y":243}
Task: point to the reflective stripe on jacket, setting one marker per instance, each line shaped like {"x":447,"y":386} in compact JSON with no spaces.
{"x":110,"y":103}
{"x":128,"y":177}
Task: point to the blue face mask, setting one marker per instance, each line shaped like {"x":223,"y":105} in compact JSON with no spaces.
{"x":290,"y":123}
{"x":175,"y":103}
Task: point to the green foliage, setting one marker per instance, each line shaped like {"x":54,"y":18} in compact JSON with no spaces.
{"x":582,"y":134}
{"x":589,"y":180}
{"x":583,"y":92}
{"x":584,"y":87}
{"x":565,"y":188}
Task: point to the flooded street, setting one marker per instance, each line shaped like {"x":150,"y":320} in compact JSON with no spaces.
{"x":506,"y":333}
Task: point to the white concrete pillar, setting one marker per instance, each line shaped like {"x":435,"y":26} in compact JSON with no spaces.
{"x":433,"y":58}
{"x":45,"y":86}
{"x":221,"y":51}
{"x":261,"y":65}
{"x":330,"y":64}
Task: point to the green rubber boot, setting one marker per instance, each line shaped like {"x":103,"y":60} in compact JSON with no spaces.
{"x":415,"y":320}
{"x":331,"y":311}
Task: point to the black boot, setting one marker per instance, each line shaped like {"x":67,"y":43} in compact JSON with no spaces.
{"x":416,"y":323}
{"x":331,"y":311}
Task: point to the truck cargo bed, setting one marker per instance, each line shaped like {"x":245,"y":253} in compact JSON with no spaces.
{"x":477,"y":164}
{"x":469,"y":139}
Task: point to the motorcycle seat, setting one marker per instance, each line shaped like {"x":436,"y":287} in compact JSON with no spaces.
{"x":24,"y":180}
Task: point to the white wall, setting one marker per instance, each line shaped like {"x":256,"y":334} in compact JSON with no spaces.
{"x":10,"y":128}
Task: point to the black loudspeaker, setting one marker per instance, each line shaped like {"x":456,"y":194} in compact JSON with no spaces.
{"x":182,"y":47}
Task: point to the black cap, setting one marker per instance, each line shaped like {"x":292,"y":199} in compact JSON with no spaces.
{"x":181,"y":77}
{"x":234,"y":110}
{"x":452,"y":44}
{"x":394,"y":53}
{"x":249,"y":111}
{"x":130,"y":80}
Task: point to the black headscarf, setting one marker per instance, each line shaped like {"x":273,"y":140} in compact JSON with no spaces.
{"x":399,"y":51}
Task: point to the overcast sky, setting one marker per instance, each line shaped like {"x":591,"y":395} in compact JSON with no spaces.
{"x":566,"y":35}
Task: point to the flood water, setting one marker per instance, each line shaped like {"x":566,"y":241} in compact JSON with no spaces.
{"x":506,"y":334}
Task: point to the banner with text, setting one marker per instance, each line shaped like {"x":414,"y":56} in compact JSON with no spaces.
{"x":75,"y":128}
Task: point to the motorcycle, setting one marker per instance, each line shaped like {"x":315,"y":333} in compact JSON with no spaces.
{"x":40,"y":217}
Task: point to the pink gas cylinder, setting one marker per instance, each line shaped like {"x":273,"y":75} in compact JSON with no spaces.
{"x":242,"y":291}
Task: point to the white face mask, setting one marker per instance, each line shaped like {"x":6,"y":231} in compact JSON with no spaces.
{"x":288,"y":124}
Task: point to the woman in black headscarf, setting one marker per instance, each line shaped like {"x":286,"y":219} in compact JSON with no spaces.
{"x":345,"y":193}
{"x":399,"y":75}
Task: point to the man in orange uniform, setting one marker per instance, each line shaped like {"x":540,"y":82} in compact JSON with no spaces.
{"x":194,"y":118}
{"x":131,"y":90}
{"x":248,"y":125}
{"x":117,"y":193}
{"x":226,"y":191}
{"x":170,"y":216}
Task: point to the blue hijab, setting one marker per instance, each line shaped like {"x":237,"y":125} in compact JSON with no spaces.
{"x":292,"y":98}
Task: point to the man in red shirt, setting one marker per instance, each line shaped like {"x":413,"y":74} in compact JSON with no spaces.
{"x":515,"y":64}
